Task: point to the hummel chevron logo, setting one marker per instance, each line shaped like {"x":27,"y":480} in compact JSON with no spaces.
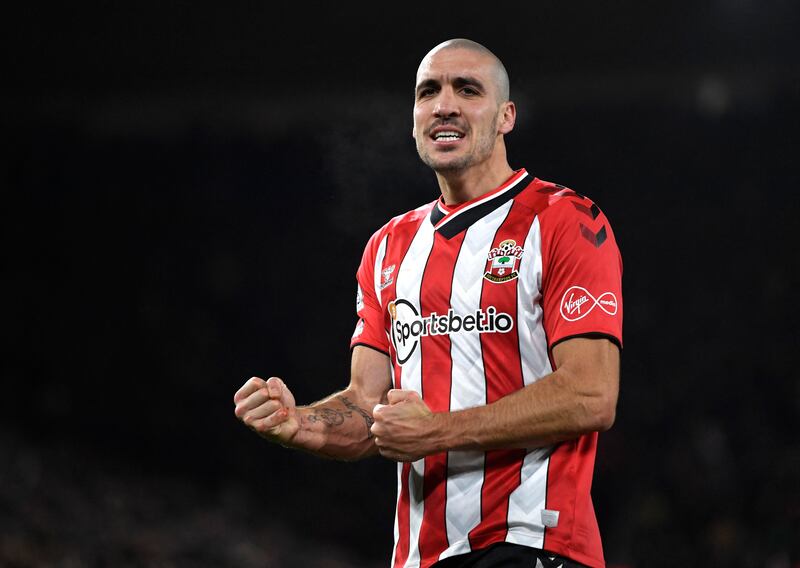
{"x":558,"y":188}
{"x":592,"y":211}
{"x":597,"y":238}
{"x":555,"y":188}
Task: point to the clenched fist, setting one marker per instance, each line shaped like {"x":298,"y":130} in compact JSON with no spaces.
{"x":268,"y":408}
{"x":403,"y":428}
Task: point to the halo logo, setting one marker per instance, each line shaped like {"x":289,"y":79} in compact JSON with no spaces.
{"x":408,"y":326}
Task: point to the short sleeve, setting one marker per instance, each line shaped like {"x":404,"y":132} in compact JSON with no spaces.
{"x":369,"y":329}
{"x":581,"y":272}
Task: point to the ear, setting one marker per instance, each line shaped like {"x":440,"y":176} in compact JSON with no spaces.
{"x":507,"y":118}
{"x":414,"y":132}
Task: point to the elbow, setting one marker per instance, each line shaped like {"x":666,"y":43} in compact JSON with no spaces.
{"x":605,"y":414}
{"x":599,"y":414}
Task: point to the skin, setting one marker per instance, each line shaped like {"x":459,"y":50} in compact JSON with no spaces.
{"x":458,"y":88}
{"x":338,"y":426}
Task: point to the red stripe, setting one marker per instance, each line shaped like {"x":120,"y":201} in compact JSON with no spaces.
{"x":437,"y":367}
{"x":403,"y":538}
{"x":569,"y":483}
{"x":503,"y":372}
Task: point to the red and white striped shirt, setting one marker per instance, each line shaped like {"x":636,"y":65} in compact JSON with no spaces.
{"x":468,"y":302}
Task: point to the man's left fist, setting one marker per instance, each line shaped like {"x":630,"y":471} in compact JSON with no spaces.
{"x":403,"y":428}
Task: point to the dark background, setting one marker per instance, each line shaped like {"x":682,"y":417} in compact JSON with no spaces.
{"x":187,"y":190}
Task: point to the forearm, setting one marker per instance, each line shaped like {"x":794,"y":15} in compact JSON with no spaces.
{"x":336,"y":427}
{"x":553,"y":409}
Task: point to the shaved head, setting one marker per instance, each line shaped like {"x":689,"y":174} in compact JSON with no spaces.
{"x":500,"y":73}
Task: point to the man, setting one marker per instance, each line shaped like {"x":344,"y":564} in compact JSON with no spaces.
{"x":486,"y":355}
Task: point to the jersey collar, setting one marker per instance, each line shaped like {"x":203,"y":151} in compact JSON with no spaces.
{"x":450,"y":223}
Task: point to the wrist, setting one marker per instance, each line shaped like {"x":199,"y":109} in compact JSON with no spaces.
{"x":440,"y":434}
{"x":460,"y":430}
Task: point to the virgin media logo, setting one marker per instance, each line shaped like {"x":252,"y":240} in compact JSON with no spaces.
{"x":578,"y":302}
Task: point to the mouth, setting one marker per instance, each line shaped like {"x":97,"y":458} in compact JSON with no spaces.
{"x":446,"y":135}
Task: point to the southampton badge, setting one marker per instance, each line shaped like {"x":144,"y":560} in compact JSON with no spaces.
{"x":503,"y":262}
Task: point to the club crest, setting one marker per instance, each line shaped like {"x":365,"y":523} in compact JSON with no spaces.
{"x":502,"y":263}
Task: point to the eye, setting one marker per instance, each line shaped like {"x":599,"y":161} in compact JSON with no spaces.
{"x":469,"y":91}
{"x":426,"y":92}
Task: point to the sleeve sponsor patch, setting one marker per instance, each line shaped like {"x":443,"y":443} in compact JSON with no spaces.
{"x":577,"y":303}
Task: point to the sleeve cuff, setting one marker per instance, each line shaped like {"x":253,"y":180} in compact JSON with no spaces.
{"x":373,"y":347}
{"x":590,"y":335}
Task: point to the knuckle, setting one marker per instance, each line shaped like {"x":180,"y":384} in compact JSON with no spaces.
{"x":262,"y":426}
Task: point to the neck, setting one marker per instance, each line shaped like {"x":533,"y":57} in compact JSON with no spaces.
{"x":463,"y":185}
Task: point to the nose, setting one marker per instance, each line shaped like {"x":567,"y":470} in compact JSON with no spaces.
{"x":446,"y":105}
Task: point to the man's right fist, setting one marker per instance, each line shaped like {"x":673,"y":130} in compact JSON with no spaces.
{"x":268,"y":408}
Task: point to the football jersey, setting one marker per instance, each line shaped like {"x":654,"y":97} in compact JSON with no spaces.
{"x":468,"y":302}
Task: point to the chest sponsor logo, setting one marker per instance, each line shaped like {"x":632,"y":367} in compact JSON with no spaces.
{"x":578,"y":302}
{"x":502,"y":263}
{"x":407,"y":326}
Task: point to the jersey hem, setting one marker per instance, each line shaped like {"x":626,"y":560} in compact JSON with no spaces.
{"x":560,"y":549}
{"x":575,"y":555}
{"x":563,"y":550}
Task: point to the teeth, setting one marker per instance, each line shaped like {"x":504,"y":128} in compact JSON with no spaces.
{"x":447,"y":136}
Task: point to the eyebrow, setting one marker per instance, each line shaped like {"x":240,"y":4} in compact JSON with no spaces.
{"x":463,"y":81}
{"x":458,"y":82}
{"x":432,"y":83}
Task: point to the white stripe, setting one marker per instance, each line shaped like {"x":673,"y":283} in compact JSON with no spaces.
{"x":532,"y":338}
{"x":452,"y":216}
{"x":407,"y":286}
{"x":465,"y":469}
{"x":379,"y":268}
{"x":527,"y":500}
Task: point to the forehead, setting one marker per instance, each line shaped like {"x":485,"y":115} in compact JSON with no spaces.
{"x":445,"y":64}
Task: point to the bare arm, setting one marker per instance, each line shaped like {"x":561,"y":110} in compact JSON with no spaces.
{"x":336,"y":427}
{"x":580,"y":396}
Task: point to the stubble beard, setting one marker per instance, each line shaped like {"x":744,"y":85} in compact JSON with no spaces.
{"x":483,"y":149}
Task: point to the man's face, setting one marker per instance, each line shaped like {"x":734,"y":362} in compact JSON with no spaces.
{"x":456,"y":109}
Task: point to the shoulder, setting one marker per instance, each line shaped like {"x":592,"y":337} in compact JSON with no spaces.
{"x":407,"y":222}
{"x":557,"y":204}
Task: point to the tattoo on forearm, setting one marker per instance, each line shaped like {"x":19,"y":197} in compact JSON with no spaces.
{"x":364,"y":414}
{"x":329,"y":416}
{"x":332,"y":417}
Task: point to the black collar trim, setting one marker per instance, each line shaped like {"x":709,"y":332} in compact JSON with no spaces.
{"x":450,"y":224}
